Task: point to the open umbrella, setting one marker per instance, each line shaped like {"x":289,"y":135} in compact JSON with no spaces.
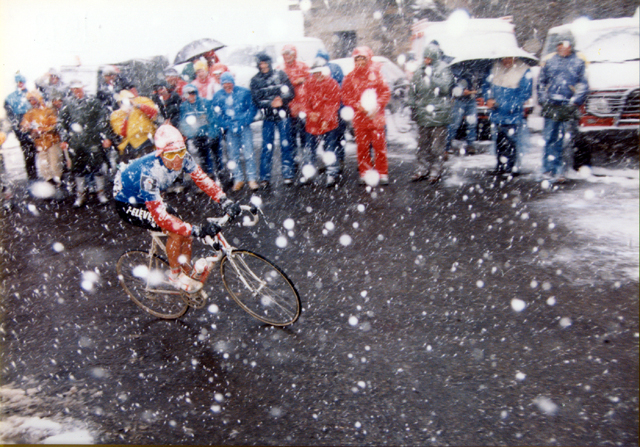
{"x":197,"y":48}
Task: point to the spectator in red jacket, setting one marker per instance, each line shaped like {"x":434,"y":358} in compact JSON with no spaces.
{"x":298,"y":72}
{"x":321,"y":105}
{"x":366,"y":92}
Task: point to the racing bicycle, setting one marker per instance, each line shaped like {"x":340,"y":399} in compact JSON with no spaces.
{"x":259,"y":286}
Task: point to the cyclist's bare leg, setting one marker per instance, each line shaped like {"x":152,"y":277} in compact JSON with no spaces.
{"x":178,"y":246}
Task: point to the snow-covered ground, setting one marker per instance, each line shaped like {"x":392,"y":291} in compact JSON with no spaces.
{"x":605,"y":213}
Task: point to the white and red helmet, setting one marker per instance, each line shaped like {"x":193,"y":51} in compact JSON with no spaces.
{"x":168,"y":139}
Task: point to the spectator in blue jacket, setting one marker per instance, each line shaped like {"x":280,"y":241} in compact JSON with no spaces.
{"x":16,"y":105}
{"x":562,"y":88}
{"x":234,"y":111}
{"x":508,"y":86}
{"x":194,"y":125}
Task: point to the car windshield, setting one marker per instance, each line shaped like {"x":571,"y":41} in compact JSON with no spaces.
{"x":615,"y":46}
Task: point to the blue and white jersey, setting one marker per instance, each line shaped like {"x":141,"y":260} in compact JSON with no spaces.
{"x":144,"y":179}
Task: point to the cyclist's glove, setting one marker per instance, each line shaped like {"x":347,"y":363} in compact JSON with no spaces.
{"x":231,"y":208}
{"x":208,"y":229}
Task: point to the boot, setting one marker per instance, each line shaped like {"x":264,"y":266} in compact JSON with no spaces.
{"x":81,"y":197}
{"x":102,"y":198}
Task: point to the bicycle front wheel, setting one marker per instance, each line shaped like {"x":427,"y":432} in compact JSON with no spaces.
{"x":144,"y":280}
{"x":260,"y":288}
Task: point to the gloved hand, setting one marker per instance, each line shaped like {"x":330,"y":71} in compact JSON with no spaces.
{"x":231,"y":208}
{"x":208,"y":229}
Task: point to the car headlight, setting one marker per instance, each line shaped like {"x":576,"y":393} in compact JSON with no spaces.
{"x":599,"y":106}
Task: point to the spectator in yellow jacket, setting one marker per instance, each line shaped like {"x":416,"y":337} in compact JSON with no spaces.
{"x":40,"y":122}
{"x":134,"y":121}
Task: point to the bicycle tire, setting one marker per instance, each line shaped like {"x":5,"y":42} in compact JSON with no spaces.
{"x":266,"y":293}
{"x":136,"y":270}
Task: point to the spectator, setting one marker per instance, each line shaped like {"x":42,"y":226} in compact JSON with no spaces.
{"x":84,"y":131}
{"x":507,"y":88}
{"x":134,"y":122}
{"x":203,"y":82}
{"x":321,"y":105}
{"x":272,"y":92}
{"x":429,"y":99}
{"x":168,"y":103}
{"x":298,"y":72}
{"x":366,"y":92}
{"x":465,"y":108}
{"x":562,"y":88}
{"x":111,"y":85}
{"x":194,"y":125}
{"x":338,"y":76}
{"x":40,"y":122}
{"x":16,"y":105}
{"x":211,"y":58}
{"x":176,"y":83}
{"x":51,"y":83}
{"x":234,"y":111}
{"x":215,"y":71}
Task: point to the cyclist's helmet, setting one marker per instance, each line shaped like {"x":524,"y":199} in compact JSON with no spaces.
{"x":168,"y":139}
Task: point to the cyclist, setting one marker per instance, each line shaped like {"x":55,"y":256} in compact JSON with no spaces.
{"x":138,"y":201}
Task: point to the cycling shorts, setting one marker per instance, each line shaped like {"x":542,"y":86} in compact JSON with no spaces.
{"x":139,"y":215}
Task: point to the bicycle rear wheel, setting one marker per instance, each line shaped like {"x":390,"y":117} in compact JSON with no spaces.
{"x":144,"y":280}
{"x":260,"y":287}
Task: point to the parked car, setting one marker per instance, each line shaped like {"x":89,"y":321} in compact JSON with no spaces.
{"x":611,"y":47}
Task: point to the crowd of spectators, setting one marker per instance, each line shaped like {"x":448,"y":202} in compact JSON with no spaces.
{"x":65,"y":133}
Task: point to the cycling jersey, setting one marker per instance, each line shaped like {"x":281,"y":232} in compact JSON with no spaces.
{"x":143,"y":180}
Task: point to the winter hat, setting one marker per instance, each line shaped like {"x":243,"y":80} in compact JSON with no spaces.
{"x":432,"y":52}
{"x":200,"y":65}
{"x":34,"y":94}
{"x":218,"y":68}
{"x":362,"y":51}
{"x":323,"y":54}
{"x":54,"y":72}
{"x":227,"y":78}
{"x":189,"y":88}
{"x":171,"y":72}
{"x":565,"y":36}
{"x":20,"y":78}
{"x":320,"y":66}
{"x":168,"y":139}
{"x":288,"y":48}
{"x":263,"y":57}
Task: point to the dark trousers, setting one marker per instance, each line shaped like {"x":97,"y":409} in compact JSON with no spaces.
{"x":506,"y":140}
{"x":29,"y":152}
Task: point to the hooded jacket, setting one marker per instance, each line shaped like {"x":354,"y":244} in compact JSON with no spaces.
{"x":135,"y":125}
{"x":510,"y":88}
{"x":563,"y":80}
{"x":322,"y":98}
{"x":360,"y":80}
{"x":40,"y":122}
{"x":234,"y":110}
{"x":296,"y":70}
{"x":265,"y":87}
{"x":194,"y":121}
{"x":16,"y":105}
{"x":429,"y":92}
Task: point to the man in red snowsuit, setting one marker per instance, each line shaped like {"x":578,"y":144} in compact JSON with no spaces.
{"x":298,"y":72}
{"x":322,"y":102}
{"x":367,"y":93}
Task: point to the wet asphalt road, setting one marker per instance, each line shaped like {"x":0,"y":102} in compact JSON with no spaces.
{"x":437,"y":355}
